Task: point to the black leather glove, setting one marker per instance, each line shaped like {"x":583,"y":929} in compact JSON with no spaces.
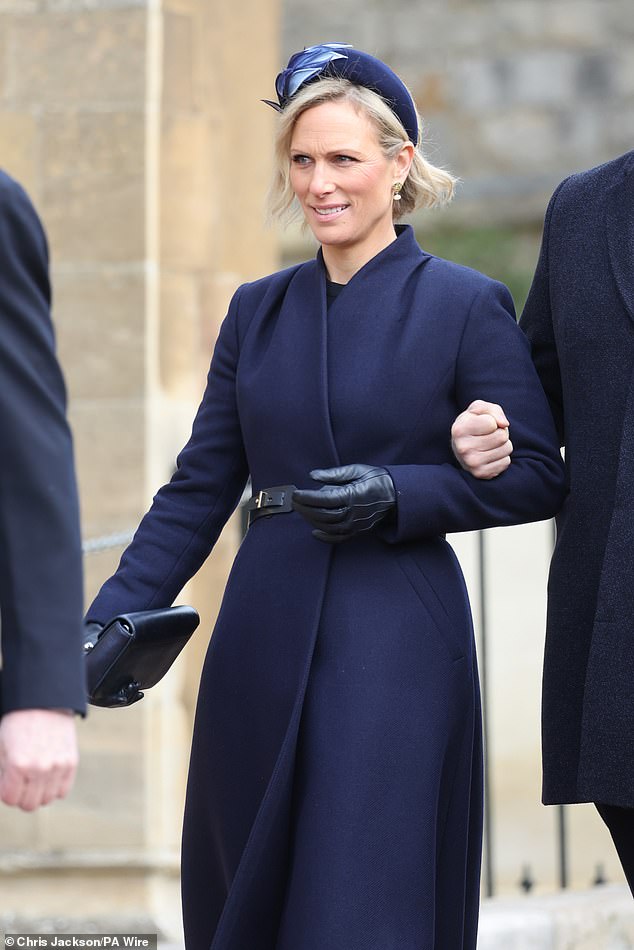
{"x":92,"y":629}
{"x":354,"y":498}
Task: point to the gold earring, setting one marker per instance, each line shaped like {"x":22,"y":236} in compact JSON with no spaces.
{"x":396,"y":190}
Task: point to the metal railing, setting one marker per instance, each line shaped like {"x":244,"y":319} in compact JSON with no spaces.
{"x":526,"y":881}
{"x":105,"y":542}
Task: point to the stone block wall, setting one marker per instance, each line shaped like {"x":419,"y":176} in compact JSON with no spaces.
{"x":134,"y":125}
{"x":515,"y":94}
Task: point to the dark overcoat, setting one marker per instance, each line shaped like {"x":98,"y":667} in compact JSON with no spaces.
{"x":40,"y":545}
{"x":334,"y":797}
{"x":579,"y":317}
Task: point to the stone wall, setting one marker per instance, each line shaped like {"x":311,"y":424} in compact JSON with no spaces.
{"x":515,"y":94}
{"x":126,"y":119}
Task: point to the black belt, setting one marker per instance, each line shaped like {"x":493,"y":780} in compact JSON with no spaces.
{"x":271,"y":501}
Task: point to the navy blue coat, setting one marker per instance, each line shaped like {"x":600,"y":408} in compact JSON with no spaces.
{"x":40,"y":546}
{"x":334,"y":797}
{"x":580,"y":319}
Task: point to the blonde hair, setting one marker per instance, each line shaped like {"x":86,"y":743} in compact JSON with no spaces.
{"x":425,"y":186}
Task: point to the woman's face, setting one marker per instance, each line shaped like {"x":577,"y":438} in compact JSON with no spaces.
{"x":343,"y":180}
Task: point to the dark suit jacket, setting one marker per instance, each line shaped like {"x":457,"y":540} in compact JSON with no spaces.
{"x":40,"y":546}
{"x":580,"y":319}
{"x":370,"y":645}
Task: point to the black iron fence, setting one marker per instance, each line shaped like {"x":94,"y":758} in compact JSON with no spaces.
{"x":526,"y":880}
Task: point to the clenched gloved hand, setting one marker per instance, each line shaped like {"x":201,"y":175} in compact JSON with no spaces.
{"x":92,"y":629}
{"x":353,"y":498}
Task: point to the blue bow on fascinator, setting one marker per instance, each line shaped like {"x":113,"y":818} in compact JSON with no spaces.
{"x":341,"y":60}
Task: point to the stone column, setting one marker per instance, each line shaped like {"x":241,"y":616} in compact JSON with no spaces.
{"x":137,"y":128}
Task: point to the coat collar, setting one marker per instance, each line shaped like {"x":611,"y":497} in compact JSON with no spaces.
{"x":620,"y":232}
{"x":300,"y":355}
{"x":394,"y":258}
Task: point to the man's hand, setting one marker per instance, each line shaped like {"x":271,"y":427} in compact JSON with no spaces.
{"x":38,"y":756}
{"x":480,"y":439}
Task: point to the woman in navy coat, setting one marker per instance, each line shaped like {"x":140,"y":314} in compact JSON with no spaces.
{"x":334,"y":798}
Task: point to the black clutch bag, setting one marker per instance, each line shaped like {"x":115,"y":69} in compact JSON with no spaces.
{"x":134,"y":651}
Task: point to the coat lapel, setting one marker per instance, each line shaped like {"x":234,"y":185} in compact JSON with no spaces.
{"x":620,"y":234}
{"x":317,"y":317}
{"x":374,"y":333}
{"x":283,"y":375}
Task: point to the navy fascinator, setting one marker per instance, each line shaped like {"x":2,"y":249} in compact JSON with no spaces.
{"x":341,"y":60}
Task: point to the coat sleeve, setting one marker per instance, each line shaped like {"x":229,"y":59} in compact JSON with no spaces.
{"x":493,"y":363}
{"x":537,"y":323}
{"x":40,"y":544}
{"x":189,"y":512}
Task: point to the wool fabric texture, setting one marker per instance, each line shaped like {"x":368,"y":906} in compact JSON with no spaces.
{"x":579,"y":317}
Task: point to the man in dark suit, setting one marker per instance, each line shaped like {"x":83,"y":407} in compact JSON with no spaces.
{"x":40,"y":548}
{"x":579,"y":317}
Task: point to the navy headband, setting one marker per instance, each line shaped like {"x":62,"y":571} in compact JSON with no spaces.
{"x":340,"y":60}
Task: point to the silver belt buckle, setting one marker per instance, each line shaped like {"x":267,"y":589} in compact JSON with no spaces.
{"x":260,"y":500}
